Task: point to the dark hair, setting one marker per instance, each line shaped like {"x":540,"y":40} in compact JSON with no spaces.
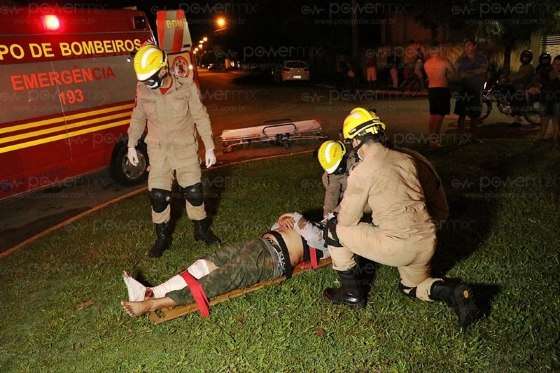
{"x":470,"y":40}
{"x":369,"y":138}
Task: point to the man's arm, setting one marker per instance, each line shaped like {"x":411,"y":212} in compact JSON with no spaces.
{"x":354,"y":200}
{"x":333,"y":189}
{"x":137,"y":122}
{"x":450,"y":72}
{"x":311,"y":233}
{"x":201,"y":118}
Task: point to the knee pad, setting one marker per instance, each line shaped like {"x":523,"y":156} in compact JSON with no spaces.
{"x":160,"y":199}
{"x":411,"y":292}
{"x":194,"y":194}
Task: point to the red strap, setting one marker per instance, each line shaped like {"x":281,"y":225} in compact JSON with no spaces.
{"x":198,"y":294}
{"x":178,"y":36}
{"x":314,"y":258}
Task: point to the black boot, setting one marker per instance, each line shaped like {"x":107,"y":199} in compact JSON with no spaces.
{"x":202,"y":232}
{"x":163,"y":240}
{"x":351,"y":291}
{"x":459,"y":297}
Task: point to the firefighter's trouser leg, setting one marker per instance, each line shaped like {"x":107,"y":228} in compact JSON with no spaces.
{"x":187,"y":170}
{"x":160,"y":177}
{"x":239,"y":266}
{"x":164,"y":161}
{"x":411,"y":256}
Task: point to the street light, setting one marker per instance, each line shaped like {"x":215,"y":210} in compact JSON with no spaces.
{"x":221,"y":22}
{"x":205,"y":39}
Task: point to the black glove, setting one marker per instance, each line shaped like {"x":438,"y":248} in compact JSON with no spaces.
{"x":329,"y":233}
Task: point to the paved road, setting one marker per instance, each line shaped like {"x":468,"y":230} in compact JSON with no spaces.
{"x":233,"y":100}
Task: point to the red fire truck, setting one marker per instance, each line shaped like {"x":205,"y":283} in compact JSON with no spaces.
{"x":67,"y":91}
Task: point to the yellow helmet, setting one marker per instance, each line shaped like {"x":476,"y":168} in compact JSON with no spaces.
{"x":360,"y":122}
{"x":148,"y":60}
{"x":330,"y":155}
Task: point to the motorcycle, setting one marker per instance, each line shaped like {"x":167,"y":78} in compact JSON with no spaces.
{"x":509,"y":101}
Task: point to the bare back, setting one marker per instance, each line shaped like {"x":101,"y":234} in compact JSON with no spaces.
{"x":437,"y":69}
{"x":293,"y":242}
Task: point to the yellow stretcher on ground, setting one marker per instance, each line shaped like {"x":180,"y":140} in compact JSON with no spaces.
{"x":281,"y":132}
{"x":167,"y":314}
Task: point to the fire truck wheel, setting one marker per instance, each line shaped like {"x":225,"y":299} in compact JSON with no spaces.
{"x":123,"y":171}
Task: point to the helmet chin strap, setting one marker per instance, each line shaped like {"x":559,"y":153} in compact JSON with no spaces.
{"x":156,"y":81}
{"x":342,"y":166}
{"x":154,"y":85}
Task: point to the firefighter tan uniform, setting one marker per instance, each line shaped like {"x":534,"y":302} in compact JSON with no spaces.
{"x":173,"y":120}
{"x":404,"y":234}
{"x":403,"y":229}
{"x":170,"y":107}
{"x":337,"y":163}
{"x":436,"y":200}
{"x":335,"y":185}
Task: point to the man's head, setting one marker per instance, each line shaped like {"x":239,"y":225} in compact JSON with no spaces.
{"x":363,"y":127}
{"x":470,"y":47}
{"x":545,"y":59}
{"x":526,"y":57}
{"x":434,"y":49}
{"x":150,"y":65}
{"x":556,"y":63}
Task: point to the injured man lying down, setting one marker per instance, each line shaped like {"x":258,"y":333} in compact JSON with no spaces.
{"x":273,"y":255}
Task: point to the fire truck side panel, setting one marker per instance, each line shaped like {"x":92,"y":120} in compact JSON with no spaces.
{"x":66,"y":95}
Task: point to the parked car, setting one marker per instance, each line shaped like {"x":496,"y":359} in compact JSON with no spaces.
{"x":294,"y":70}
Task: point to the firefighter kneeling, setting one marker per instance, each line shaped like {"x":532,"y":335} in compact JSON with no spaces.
{"x":171,"y":107}
{"x":403,"y":234}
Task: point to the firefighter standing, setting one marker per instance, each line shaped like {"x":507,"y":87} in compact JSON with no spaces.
{"x":403,"y":234}
{"x":171,"y":108}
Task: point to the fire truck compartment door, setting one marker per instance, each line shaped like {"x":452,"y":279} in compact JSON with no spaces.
{"x":173,"y":31}
{"x":33,"y":152}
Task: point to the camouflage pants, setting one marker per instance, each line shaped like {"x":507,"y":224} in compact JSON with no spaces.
{"x":239,"y":266}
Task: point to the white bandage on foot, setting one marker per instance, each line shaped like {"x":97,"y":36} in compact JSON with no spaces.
{"x":136,"y":291}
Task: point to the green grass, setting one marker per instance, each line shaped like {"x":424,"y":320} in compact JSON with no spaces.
{"x":504,"y":237}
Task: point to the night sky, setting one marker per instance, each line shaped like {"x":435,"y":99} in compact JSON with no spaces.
{"x":326,"y":24}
